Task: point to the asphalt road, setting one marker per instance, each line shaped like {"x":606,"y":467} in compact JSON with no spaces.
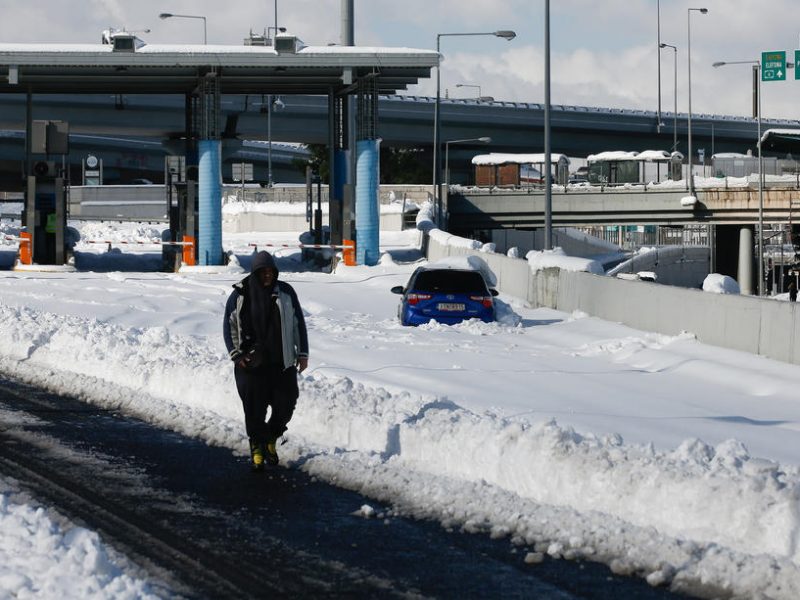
{"x":203,"y":526}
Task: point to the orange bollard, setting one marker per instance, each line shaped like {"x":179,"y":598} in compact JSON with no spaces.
{"x":25,"y":249}
{"x":188,"y":251}
{"x":349,"y":253}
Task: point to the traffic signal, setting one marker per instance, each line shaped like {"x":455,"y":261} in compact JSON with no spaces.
{"x":45,"y":168}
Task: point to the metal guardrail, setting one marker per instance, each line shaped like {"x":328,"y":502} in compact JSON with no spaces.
{"x":651,"y":186}
{"x":632,"y":238}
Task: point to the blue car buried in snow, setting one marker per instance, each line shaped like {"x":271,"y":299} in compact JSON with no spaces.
{"x":445,"y":295}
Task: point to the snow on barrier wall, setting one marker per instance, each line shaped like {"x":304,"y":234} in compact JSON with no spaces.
{"x":759,"y":326}
{"x":273,"y":217}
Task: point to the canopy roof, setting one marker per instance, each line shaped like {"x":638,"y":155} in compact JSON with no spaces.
{"x":151,"y":69}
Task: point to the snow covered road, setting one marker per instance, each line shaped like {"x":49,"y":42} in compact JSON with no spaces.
{"x":201,"y":525}
{"x":572,"y":436}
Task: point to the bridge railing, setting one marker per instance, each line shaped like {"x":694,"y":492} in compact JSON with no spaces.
{"x":632,"y":237}
{"x":791,"y":181}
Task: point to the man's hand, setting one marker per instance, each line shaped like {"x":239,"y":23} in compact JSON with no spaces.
{"x":302,"y":364}
{"x":243,"y":362}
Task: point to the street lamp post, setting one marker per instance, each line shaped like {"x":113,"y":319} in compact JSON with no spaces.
{"x":437,"y":166}
{"x":484,"y":140}
{"x":757,"y":76}
{"x":170,"y":16}
{"x":702,"y":11}
{"x":548,"y":178}
{"x":269,"y":141}
{"x":675,"y":86}
{"x":270,"y":105}
{"x":660,"y":45}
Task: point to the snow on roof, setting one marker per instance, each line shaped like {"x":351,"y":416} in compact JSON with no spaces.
{"x":207,"y":49}
{"x":612,"y":155}
{"x":731,"y":155}
{"x":465,"y":263}
{"x":782,"y":132}
{"x":643,"y":156}
{"x":501,"y":158}
{"x":654,"y":155}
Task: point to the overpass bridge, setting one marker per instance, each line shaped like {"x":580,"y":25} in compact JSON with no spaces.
{"x":471,"y":209}
{"x":730,"y":212}
{"x":404,"y":121}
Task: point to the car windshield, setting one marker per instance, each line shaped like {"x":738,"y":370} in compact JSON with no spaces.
{"x":449,"y":281}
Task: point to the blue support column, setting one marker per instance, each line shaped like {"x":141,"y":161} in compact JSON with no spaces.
{"x":368,"y":221}
{"x":210,"y":203}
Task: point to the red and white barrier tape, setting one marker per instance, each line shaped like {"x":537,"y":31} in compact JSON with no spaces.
{"x":151,"y":243}
{"x":316,"y":246}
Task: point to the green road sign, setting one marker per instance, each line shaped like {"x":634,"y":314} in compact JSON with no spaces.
{"x":797,"y":64}
{"x":773,"y":66}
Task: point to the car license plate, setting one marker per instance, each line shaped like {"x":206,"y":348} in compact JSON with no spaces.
{"x":450,"y":306}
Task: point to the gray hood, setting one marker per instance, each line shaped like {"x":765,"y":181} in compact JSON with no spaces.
{"x":263,"y":260}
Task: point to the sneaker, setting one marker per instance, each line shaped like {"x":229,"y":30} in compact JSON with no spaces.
{"x":272,"y":452}
{"x":257,"y":454}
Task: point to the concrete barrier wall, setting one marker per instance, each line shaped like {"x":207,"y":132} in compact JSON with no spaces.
{"x":149,"y":203}
{"x":718,"y":319}
{"x":570,"y":240}
{"x":746,"y":323}
{"x":265,"y":221}
{"x":259,"y":221}
{"x":127,"y":202}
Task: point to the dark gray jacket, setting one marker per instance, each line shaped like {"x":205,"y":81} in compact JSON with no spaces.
{"x":294,"y":336}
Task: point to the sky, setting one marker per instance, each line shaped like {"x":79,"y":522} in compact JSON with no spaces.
{"x":560,"y":434}
{"x":603,"y":53}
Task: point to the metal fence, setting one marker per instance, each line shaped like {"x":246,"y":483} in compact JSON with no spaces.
{"x":633,"y":237}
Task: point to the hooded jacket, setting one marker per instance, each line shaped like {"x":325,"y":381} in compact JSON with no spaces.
{"x":236,"y":327}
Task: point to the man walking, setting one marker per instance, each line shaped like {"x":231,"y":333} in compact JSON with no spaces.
{"x":266,"y":337}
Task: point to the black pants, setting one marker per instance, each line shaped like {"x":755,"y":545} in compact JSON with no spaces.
{"x":269,"y":386}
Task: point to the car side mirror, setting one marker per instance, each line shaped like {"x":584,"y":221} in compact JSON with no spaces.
{"x":398,"y":289}
{"x":494,"y":292}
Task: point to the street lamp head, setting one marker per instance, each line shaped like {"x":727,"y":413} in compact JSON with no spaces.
{"x":703,"y":11}
{"x":485,"y":140}
{"x":506,"y":34}
{"x":721,"y":63}
{"x":164,"y":15}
